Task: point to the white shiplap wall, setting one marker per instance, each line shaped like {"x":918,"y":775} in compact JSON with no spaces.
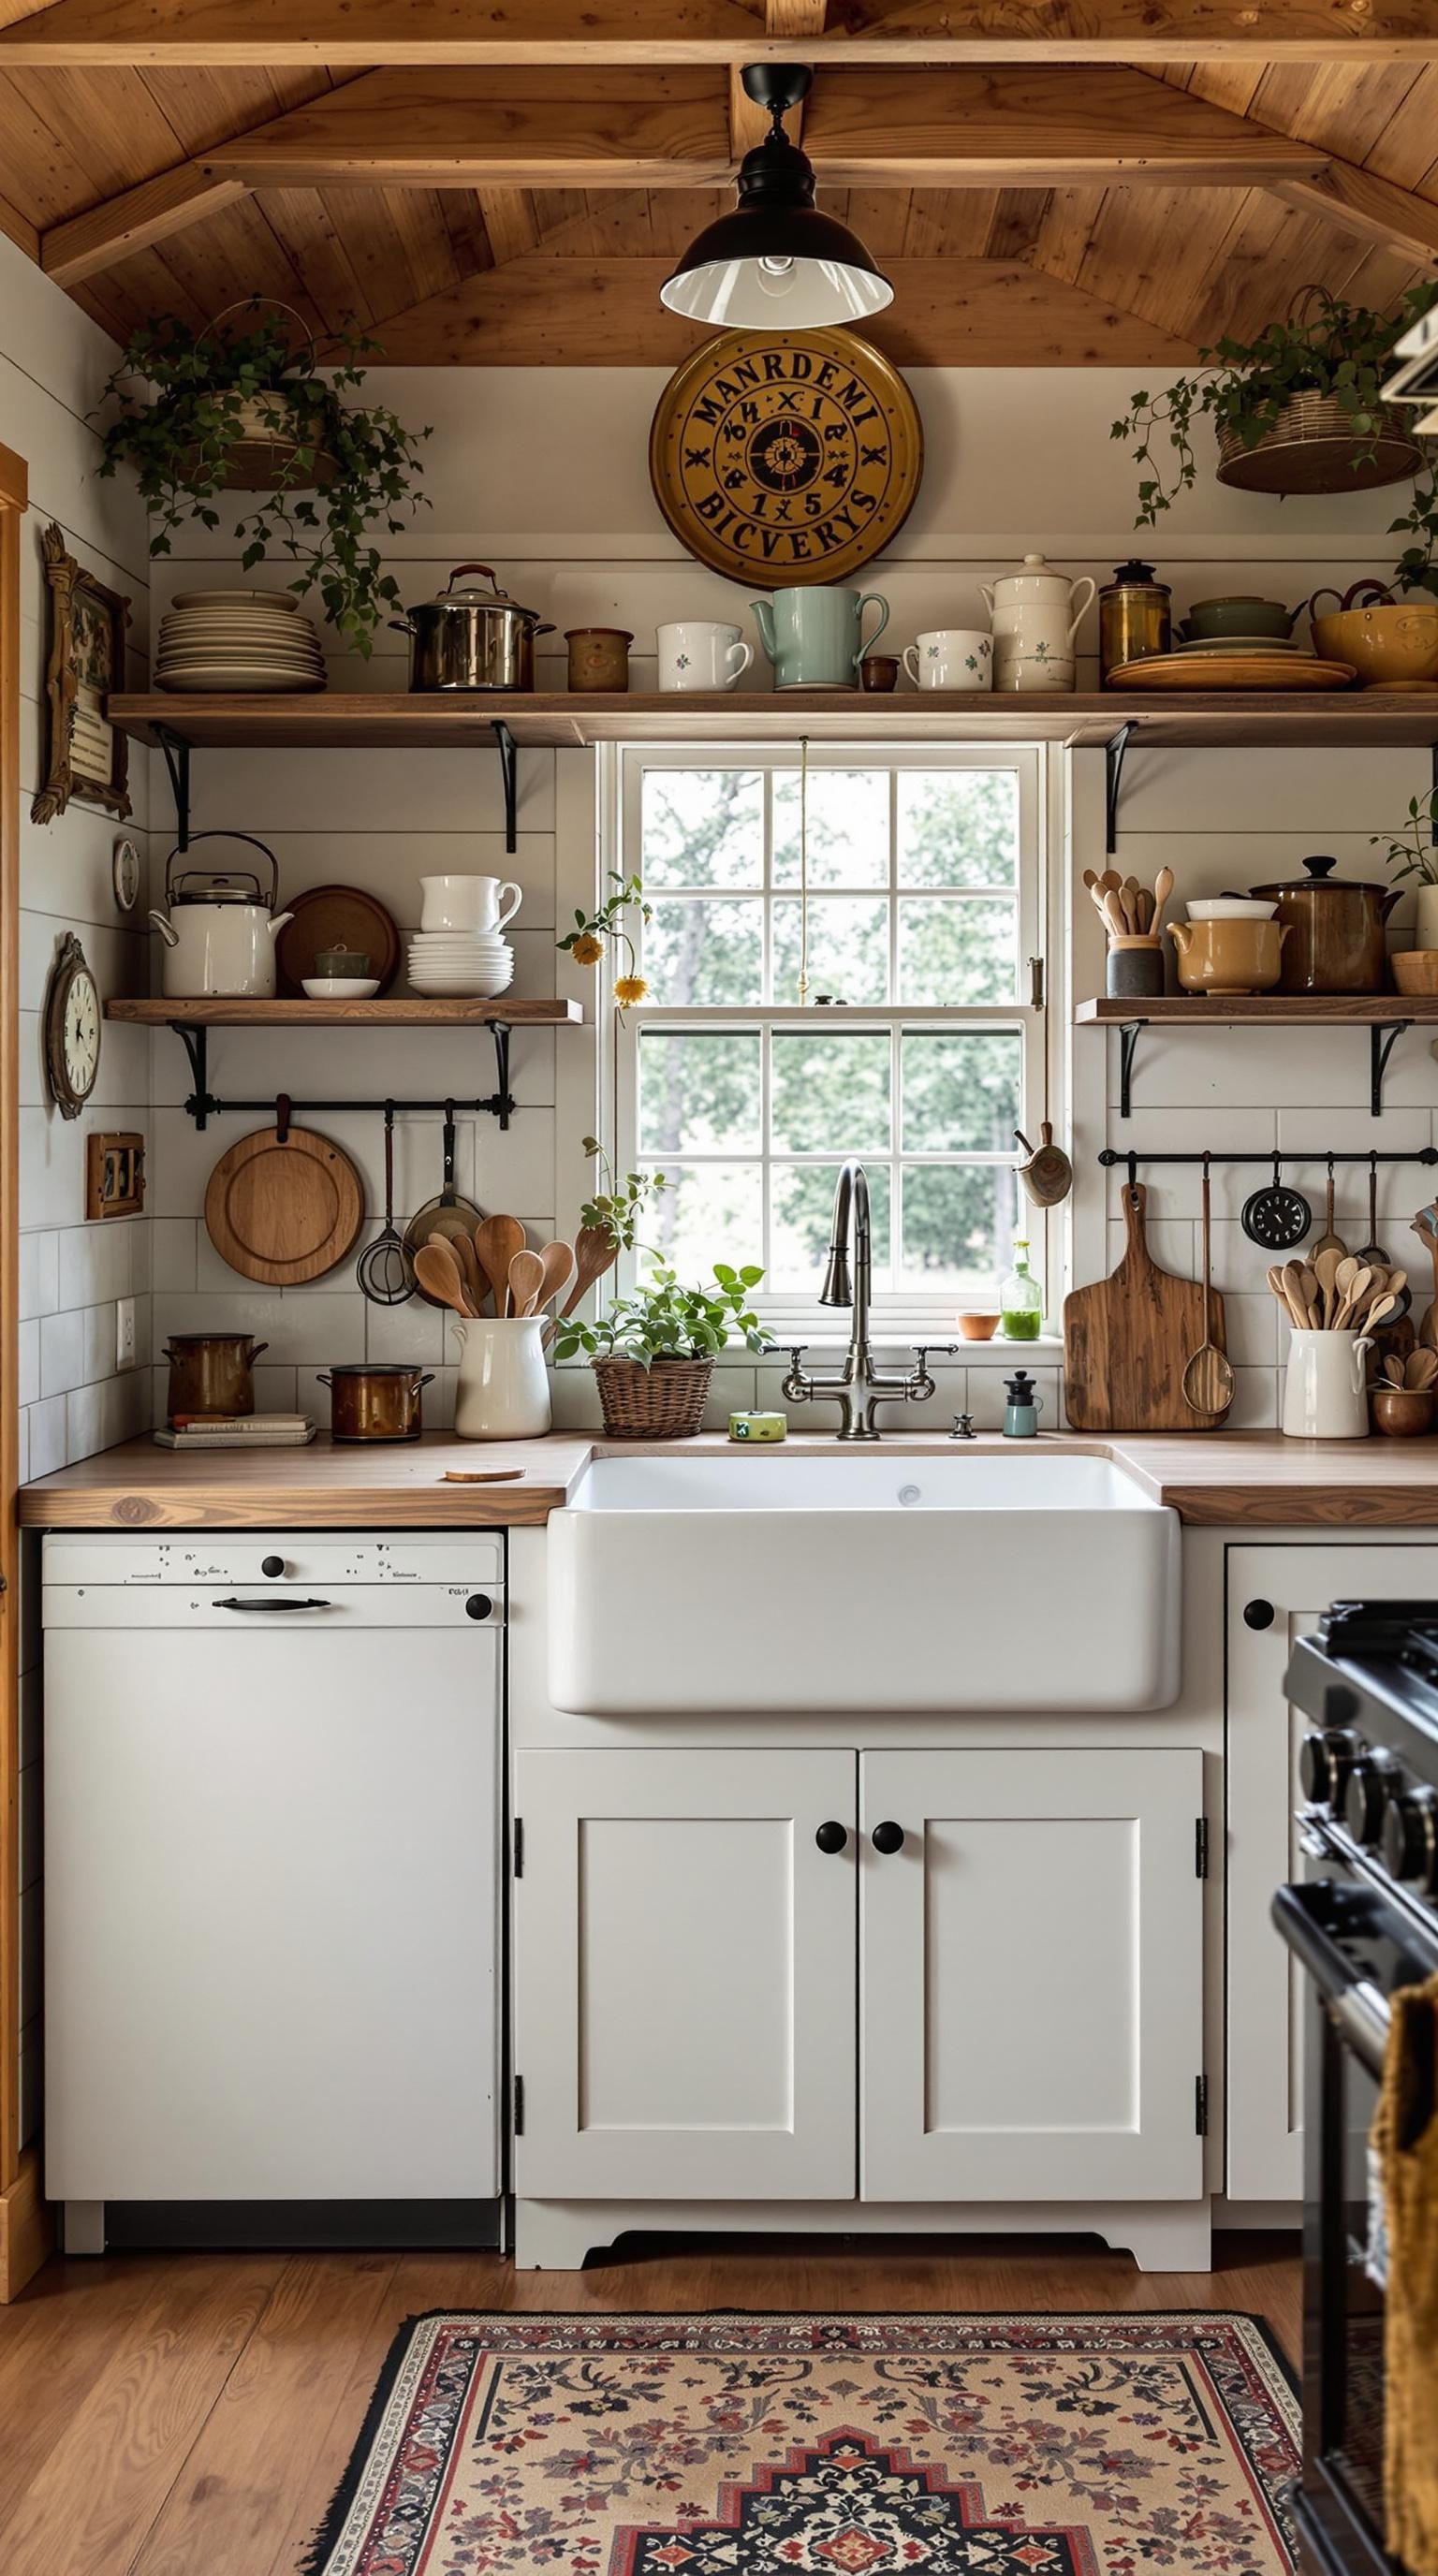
{"x":1016,"y":461}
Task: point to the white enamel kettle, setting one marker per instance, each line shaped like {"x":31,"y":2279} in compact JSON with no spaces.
{"x":219,"y":931}
{"x":1036,"y":614}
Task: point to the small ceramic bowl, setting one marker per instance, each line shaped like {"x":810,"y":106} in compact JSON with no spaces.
{"x":978,"y":1328}
{"x":1404,"y":1412}
{"x":1237,"y":615}
{"x":1231,"y":907}
{"x":1415,"y":970}
{"x":340,"y":988}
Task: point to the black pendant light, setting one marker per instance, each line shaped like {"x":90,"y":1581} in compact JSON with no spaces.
{"x":776,"y":263}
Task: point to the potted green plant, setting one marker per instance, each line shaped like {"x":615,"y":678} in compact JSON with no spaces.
{"x":653,"y":1353}
{"x":1413,"y":852}
{"x":1295,"y":410}
{"x":200,"y":414}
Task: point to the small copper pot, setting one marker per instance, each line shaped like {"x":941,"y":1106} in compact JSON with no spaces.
{"x":370,"y":1403}
{"x":212,"y":1372}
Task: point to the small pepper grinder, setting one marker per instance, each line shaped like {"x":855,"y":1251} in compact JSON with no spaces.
{"x":1021,"y":1413}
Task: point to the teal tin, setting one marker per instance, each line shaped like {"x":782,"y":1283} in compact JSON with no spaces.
{"x":1021,"y":1413}
{"x":815,"y":637}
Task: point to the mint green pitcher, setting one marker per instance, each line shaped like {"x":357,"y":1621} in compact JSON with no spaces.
{"x":815,"y":637}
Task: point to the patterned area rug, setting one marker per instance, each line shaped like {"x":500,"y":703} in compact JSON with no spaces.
{"x":821,"y":2446}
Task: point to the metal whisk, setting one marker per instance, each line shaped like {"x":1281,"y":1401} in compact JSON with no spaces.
{"x":382,"y":1270}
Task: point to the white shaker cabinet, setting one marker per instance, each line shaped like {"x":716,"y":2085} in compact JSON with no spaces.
{"x":1275,"y":1596}
{"x":684,"y":1975}
{"x":1032,"y":1976}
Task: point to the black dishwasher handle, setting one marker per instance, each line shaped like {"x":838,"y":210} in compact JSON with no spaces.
{"x":272,"y":1603}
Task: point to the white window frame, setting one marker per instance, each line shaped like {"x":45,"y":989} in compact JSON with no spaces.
{"x":619,"y":807}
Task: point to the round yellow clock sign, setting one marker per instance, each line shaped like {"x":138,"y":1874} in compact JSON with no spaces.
{"x":786,"y":456}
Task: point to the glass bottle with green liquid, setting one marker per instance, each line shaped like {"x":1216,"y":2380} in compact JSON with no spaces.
{"x":1021,"y":1304}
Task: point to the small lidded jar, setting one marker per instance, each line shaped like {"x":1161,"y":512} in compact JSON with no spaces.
{"x":1134,"y":617}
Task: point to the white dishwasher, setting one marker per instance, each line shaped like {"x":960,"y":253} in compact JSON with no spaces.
{"x":272,"y":1874}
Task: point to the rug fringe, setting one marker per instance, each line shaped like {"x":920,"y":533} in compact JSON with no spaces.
{"x":327,"y":2531}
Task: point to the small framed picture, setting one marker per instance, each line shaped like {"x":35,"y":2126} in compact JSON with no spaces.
{"x":114,"y":1176}
{"x":86,"y":757}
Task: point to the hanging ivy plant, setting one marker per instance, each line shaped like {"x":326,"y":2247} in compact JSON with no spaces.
{"x":1322,"y":346}
{"x":195,"y":412}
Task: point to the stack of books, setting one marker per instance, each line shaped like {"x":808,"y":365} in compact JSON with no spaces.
{"x":237,"y":1431}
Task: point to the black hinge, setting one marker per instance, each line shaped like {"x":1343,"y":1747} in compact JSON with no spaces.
{"x":1036,"y":983}
{"x":1200,"y":2105}
{"x":519,"y":2106}
{"x":517,"y":1846}
{"x":1200,"y":1847}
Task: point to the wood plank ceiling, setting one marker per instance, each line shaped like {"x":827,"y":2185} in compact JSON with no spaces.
{"x":480,"y":196}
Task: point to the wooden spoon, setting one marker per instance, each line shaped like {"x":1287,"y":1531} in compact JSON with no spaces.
{"x":1115,"y":916}
{"x":1380,"y":1312}
{"x":496,"y":1242}
{"x":475,"y":1284}
{"x":1393,"y":1367}
{"x":1208,"y":1378}
{"x":1128,"y":896}
{"x":526,"y":1278}
{"x":594,"y":1253}
{"x":1325,"y":1271}
{"x":1420,"y":1370}
{"x":1352,"y":1296}
{"x":437,"y":1271}
{"x":1162,"y":889}
{"x":1294,"y":1292}
{"x":557,"y":1261}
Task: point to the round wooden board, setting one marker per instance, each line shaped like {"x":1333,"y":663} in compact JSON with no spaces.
{"x":284,"y":1213}
{"x":783,"y":457}
{"x":1272,"y":675}
{"x":336,"y":916}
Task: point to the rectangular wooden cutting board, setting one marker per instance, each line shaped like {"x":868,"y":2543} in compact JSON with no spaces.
{"x":1128,"y":1339}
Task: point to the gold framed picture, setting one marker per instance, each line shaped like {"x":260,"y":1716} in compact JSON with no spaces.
{"x":85,"y":756}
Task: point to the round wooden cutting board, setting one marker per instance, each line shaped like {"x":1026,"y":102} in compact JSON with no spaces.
{"x":336,"y":916}
{"x":286,"y":1212}
{"x":780,"y":457}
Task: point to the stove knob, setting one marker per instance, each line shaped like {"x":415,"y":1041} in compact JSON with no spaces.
{"x":1324,"y":1762}
{"x":1410,"y":1836}
{"x":1366,"y":1793}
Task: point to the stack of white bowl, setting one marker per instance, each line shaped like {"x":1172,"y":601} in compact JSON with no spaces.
{"x":458,"y":953}
{"x":238,"y":640}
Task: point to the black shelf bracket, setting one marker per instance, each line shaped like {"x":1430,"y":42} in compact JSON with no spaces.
{"x":1128,"y":1036}
{"x":203,"y":1104}
{"x":1113,"y":759}
{"x":196,"y":1042}
{"x":177,"y":761}
{"x":1382,"y":1039}
{"x":509,"y":772}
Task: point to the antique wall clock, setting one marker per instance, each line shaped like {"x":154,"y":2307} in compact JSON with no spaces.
{"x":72,"y":1029}
{"x":786,"y":456}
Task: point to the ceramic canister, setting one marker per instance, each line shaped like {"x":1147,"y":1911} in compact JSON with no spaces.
{"x":815,"y":638}
{"x":951,"y":657}
{"x":503,"y":1389}
{"x":1324,"y":1396}
{"x":1036,"y":614}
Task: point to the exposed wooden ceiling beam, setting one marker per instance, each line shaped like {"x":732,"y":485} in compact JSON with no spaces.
{"x":1360,"y":202}
{"x":105,"y":234}
{"x":542,"y":311}
{"x":274,"y":32}
{"x":1016,"y":126}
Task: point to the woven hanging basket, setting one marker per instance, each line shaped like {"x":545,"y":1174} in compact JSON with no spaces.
{"x":264,"y":455}
{"x":662,"y":1402}
{"x":1311,"y":448}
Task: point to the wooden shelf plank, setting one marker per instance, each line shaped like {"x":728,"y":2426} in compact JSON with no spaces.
{"x":358,"y":720}
{"x":229,"y":1013}
{"x":1277,"y":1010}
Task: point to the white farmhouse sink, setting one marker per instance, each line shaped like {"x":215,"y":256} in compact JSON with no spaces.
{"x":863,"y":1582}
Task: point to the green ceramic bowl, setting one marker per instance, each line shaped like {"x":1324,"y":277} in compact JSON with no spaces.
{"x":1209,"y":619}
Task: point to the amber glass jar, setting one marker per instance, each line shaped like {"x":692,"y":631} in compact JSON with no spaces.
{"x":1133,"y":616}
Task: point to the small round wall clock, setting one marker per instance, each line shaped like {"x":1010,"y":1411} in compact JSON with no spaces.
{"x":72,"y":1029}
{"x":782,"y":457}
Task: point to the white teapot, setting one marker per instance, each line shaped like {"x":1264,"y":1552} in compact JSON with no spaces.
{"x":1036,"y":614}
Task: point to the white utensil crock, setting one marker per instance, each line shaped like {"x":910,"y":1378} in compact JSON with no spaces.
{"x":468,"y":904}
{"x":1036,"y":615}
{"x":503,"y":1391}
{"x":697,"y":653}
{"x":1324,"y":1395}
{"x":951,"y":657}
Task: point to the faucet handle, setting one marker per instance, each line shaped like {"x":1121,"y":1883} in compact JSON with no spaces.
{"x":924,"y":1348}
{"x":796,"y":1352}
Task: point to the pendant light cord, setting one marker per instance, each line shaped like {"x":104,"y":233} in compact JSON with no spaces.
{"x":803,"y":867}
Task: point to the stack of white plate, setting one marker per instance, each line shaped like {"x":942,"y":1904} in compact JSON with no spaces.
{"x":238,"y":640}
{"x":459,"y":965}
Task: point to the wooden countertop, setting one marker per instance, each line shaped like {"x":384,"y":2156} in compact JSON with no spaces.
{"x":1233,"y":1479}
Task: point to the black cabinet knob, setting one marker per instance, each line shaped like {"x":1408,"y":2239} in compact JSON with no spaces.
{"x":888,"y":1837}
{"x":832,"y":1836}
{"x":273,"y":1565}
{"x":1258,"y":1614}
{"x":478,"y":1606}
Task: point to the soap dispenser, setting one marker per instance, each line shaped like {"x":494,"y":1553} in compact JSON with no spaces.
{"x":1021,"y":1413}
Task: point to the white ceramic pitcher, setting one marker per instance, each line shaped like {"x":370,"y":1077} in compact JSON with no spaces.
{"x":1325,"y":1396}
{"x":503,"y":1390}
{"x":1036,"y":614}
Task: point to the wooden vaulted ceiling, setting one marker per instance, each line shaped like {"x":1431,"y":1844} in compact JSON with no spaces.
{"x":506,"y":182}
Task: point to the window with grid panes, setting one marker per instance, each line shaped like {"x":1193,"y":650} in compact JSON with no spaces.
{"x":923,"y":916}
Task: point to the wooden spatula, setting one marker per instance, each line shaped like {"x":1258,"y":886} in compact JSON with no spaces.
{"x":594,"y":1253}
{"x":557,"y":1260}
{"x":496,"y":1242}
{"x":437,"y":1271}
{"x":476,"y":1285}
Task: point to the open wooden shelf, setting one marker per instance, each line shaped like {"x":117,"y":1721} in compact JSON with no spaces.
{"x":1278,"y":1010}
{"x":368,"y":720}
{"x":240,"y":1014}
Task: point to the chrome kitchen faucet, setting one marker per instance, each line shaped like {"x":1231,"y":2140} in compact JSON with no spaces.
{"x":860,"y":1386}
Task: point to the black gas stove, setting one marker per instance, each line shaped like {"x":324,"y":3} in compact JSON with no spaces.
{"x":1362,"y":1921}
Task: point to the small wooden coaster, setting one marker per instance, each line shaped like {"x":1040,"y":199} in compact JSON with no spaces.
{"x":479,"y":1475}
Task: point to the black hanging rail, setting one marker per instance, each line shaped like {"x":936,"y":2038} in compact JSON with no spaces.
{"x":204,"y":1104}
{"x":1112,"y":1155}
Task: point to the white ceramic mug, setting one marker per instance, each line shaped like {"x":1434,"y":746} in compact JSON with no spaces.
{"x":700,"y":653}
{"x":503,"y":1388}
{"x":1324,"y":1394}
{"x":468,"y":904}
{"x":951,"y":657}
